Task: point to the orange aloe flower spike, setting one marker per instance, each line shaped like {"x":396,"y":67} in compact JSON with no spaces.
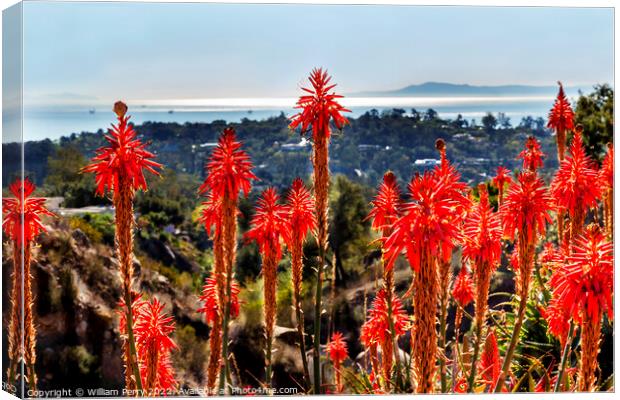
{"x":463,"y":288}
{"x":319,"y":106}
{"x":22,"y":213}
{"x":125,"y":157}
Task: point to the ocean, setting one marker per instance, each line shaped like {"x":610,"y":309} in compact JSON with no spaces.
{"x":52,"y":123}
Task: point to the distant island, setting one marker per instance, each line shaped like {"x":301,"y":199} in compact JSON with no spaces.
{"x":455,"y":89}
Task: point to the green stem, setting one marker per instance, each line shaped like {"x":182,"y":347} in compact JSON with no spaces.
{"x":565,"y":352}
{"x":268,"y":363}
{"x":132,"y":342}
{"x":302,"y":342}
{"x":442,"y":343}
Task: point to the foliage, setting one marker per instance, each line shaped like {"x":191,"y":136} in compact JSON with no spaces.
{"x":595,"y":112}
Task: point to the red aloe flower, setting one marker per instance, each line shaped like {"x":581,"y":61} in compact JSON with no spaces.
{"x":532,"y":155}
{"x":558,"y":319}
{"x":526,"y":208}
{"x":153,"y":329}
{"x":229,"y":168}
{"x":211,"y":214}
{"x":550,"y":256}
{"x":561,"y":115}
{"x":302,"y":219}
{"x":490,"y":363}
{"x":482,"y":234}
{"x":270,"y":227}
{"x":211,"y":304}
{"x":378,"y":323}
{"x":575,"y":186}
{"x":606,"y":182}
{"x":23,"y":213}
{"x":337,"y":348}
{"x":584,"y":285}
{"x":424,"y":223}
{"x":124,"y":158}
{"x":319,"y":106}
{"x":270,"y":224}
{"x":301,"y":211}
{"x":463,"y":288}
{"x":561,"y":120}
{"x":583,"y":288}
{"x":501,"y":178}
{"x":386,"y":205}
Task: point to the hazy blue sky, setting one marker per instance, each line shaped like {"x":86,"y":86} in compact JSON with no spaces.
{"x":106,"y":51}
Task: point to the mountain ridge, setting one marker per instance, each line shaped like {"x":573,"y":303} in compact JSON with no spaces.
{"x":434,"y":88}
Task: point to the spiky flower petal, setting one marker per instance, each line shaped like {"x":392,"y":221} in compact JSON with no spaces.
{"x":319,"y":106}
{"x":125,"y":157}
{"x":22,"y":213}
{"x":211,"y":303}
{"x":463,"y":288}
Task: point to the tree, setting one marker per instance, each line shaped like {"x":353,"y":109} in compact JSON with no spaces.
{"x":415,"y":115}
{"x":595,"y":112}
{"x":527,"y":122}
{"x":430,"y":115}
{"x":489,"y":122}
{"x":348,"y":226}
{"x":503,"y":120}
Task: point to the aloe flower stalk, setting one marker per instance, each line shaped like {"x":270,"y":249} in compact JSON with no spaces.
{"x":387,"y":321}
{"x":211,"y":308}
{"x":606,"y":182}
{"x":338,"y":352}
{"x":447,"y":173}
{"x":318,"y":108}
{"x":119,"y":168}
{"x":561,"y":120}
{"x":524,"y":213}
{"x":153,"y":329}
{"x":229,"y":171}
{"x":385,"y":210}
{"x":501,"y":178}
{"x":270,"y":228}
{"x":22,"y":224}
{"x":482,"y":246}
{"x":302,"y":220}
{"x":575,"y":187}
{"x":584,"y":288}
{"x":427,"y":233}
{"x":215,"y":288}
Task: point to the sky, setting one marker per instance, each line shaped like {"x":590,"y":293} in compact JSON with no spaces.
{"x":82,"y":52}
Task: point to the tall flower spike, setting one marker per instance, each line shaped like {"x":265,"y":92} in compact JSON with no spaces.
{"x":302,"y":220}
{"x":125,"y":157}
{"x":211,"y":214}
{"x":337,"y":348}
{"x":270,"y":227}
{"x":22,"y":213}
{"x":532,"y":155}
{"x":583,"y":287}
{"x":153,"y":329}
{"x":378,"y":323}
{"x":424,"y":222}
{"x":211,"y":305}
{"x":337,"y":351}
{"x":606,"y":182}
{"x":575,"y":186}
{"x":526,"y":207}
{"x":463,"y":288}
{"x":501,"y":178}
{"x":561,"y":120}
{"x":302,"y":216}
{"x":319,"y":106}
{"x":229,"y":168}
{"x":386,"y":204}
